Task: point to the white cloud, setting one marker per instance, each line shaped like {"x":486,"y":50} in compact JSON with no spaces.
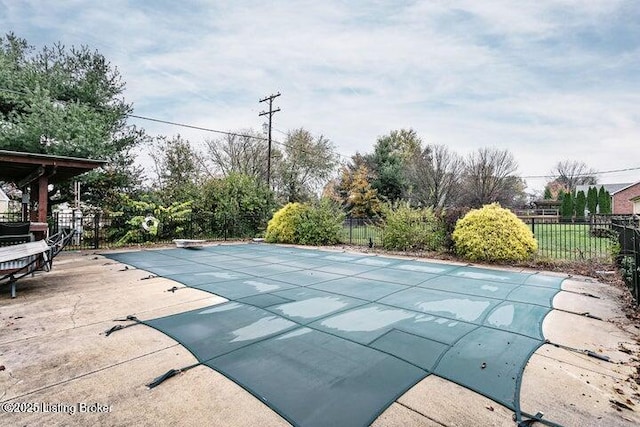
{"x":548,"y":80}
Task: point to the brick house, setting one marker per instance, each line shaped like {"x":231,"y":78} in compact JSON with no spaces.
{"x":625,"y":198}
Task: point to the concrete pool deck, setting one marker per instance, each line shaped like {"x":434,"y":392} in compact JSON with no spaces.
{"x":57,"y":360}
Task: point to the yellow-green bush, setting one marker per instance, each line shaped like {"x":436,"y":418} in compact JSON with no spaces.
{"x":282,"y":227}
{"x":306,"y":224}
{"x":493,"y":234}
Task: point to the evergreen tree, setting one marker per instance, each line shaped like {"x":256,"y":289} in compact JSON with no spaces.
{"x":390,"y":162}
{"x":604,"y":201}
{"x":69,"y":102}
{"x":547,"y":193}
{"x":580,"y":204}
{"x":592,"y":200}
{"x":566,"y":209}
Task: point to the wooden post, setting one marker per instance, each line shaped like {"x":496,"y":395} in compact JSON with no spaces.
{"x":33,"y":198}
{"x":43,"y":198}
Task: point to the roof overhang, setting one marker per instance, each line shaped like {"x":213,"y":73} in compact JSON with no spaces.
{"x":23,"y":169}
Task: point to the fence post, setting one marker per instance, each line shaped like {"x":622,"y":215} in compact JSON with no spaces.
{"x":96,"y":230}
{"x":191,"y":225}
{"x":350,"y":230}
{"x":636,"y":265}
{"x":533,"y":226}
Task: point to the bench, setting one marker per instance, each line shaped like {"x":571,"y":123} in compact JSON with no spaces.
{"x":189,"y":243}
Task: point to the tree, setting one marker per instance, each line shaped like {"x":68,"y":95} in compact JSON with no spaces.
{"x":362,"y":200}
{"x":556,"y":189}
{"x":341,"y":186}
{"x":435,"y":176}
{"x":561,"y":193}
{"x":592,"y":200}
{"x":580,"y":204}
{"x":571,"y":173}
{"x":604,"y":201}
{"x":178,"y":168}
{"x":389,"y":162}
{"x":547,"y":193}
{"x":306,"y":165}
{"x":68,"y":102}
{"x":489,"y":178}
{"x":237,"y":200}
{"x":566,"y":209}
{"x":245,"y":153}
{"x":607,"y":202}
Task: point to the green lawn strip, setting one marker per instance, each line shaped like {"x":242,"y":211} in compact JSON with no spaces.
{"x":570,"y":241}
{"x":559,"y":241}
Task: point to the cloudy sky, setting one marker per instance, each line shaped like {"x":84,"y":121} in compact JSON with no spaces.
{"x":547,"y":79}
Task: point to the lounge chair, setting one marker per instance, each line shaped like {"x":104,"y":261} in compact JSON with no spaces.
{"x":21,"y":260}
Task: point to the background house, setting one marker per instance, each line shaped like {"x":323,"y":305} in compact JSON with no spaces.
{"x":4,"y":202}
{"x":625,"y":198}
{"x":622,"y":200}
{"x":636,"y":205}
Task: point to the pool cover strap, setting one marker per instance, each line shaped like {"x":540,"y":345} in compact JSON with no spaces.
{"x":532,"y":419}
{"x":589,"y":353}
{"x":121,"y":327}
{"x":170,"y":373}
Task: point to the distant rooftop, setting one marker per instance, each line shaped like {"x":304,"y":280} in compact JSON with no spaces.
{"x":610,"y":188}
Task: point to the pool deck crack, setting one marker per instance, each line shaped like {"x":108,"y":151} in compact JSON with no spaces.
{"x":421,"y":414}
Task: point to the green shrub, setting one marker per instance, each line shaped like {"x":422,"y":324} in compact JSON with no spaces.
{"x":627,"y":267}
{"x":322,"y":224}
{"x":306,"y":224}
{"x":493,"y":234}
{"x":405,"y":228}
{"x":449,"y":218}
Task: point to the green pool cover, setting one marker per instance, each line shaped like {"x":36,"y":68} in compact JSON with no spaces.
{"x":328,"y":338}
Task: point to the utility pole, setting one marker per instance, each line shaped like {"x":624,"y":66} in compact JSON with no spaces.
{"x":271,"y":112}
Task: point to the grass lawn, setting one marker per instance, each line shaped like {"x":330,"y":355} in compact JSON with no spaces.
{"x":571,"y":241}
{"x":359,"y":235}
{"x":559,"y":241}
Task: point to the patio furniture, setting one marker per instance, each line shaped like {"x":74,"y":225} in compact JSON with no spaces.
{"x":13,"y":233}
{"x":20,"y":260}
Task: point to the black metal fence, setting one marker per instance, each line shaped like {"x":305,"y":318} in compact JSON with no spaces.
{"x":589,"y":239}
{"x":575,"y":239}
{"x":363,"y":231}
{"x":600,"y":238}
{"x":628,"y":259}
{"x":97,"y":230}
{"x":595,"y":238}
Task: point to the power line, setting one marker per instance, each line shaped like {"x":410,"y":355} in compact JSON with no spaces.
{"x":288,"y":146}
{"x":585,"y":174}
{"x":200,"y":128}
{"x":151,"y":119}
{"x":184,"y":125}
